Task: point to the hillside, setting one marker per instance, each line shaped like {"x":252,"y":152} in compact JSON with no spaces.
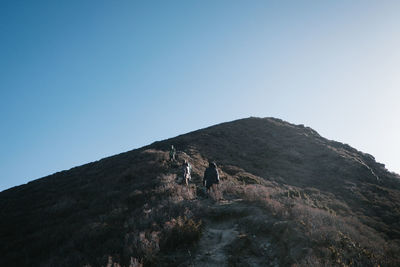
{"x":287,"y":197}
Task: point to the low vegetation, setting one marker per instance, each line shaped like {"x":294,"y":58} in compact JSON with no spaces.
{"x":289,"y":197}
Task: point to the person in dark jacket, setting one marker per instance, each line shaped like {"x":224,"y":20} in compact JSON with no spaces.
{"x":211,"y":176}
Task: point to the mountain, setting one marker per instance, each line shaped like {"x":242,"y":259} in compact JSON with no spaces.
{"x":287,"y":197}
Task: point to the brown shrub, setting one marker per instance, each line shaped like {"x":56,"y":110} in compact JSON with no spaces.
{"x":265,"y":196}
{"x":174,"y":191}
{"x":335,"y":240}
{"x":181,"y":232}
{"x":230,"y":187}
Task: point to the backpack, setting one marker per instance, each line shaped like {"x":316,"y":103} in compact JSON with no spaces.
{"x":212,"y":176}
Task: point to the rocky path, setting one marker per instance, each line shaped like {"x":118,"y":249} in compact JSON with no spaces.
{"x":225,"y":240}
{"x":212,"y":247}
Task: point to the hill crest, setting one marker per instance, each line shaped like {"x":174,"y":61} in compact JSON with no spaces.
{"x":313,"y":200}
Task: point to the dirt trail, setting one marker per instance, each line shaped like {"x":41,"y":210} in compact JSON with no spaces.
{"x":217,"y":235}
{"x":213,"y":244}
{"x":224,"y":239}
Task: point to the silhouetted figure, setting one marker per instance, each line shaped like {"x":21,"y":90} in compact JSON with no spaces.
{"x":211,"y":177}
{"x":186,"y":172}
{"x":172,"y":153}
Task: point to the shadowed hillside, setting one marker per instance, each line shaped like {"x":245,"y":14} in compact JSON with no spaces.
{"x":287,"y":197}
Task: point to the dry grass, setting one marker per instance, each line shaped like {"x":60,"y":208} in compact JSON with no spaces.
{"x":308,"y":188}
{"x":181,"y":232}
{"x":334,"y":240}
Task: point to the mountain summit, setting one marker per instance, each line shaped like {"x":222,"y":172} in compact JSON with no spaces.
{"x":287,"y":197}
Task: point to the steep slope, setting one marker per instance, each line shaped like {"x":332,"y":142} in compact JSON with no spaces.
{"x":287,"y":196}
{"x":296,"y":155}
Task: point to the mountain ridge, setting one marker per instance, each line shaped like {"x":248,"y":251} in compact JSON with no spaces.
{"x":291,"y":179}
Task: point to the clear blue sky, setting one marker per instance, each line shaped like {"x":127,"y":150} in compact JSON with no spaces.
{"x":81,"y":80}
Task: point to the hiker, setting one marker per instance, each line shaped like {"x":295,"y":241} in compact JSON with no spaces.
{"x":186,"y":172}
{"x":211,"y":176}
{"x":172,"y":153}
